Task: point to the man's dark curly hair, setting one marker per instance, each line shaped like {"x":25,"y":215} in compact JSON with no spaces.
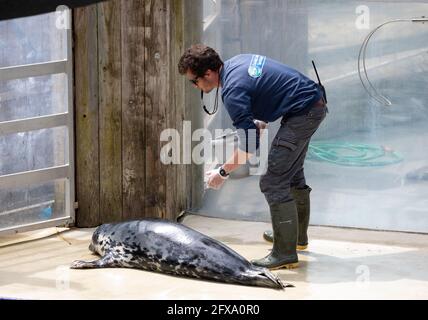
{"x":198,"y":59}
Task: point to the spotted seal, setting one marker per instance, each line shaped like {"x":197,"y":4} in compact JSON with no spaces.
{"x":172,"y":248}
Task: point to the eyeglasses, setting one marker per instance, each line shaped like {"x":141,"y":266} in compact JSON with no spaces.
{"x":194,"y":81}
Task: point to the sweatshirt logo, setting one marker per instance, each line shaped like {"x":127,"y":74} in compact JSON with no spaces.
{"x":256,"y":66}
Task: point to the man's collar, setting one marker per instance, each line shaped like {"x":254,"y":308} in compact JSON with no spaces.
{"x":221,"y":74}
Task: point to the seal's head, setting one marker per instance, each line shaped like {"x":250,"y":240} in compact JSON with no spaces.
{"x":99,"y":241}
{"x":92,"y":248}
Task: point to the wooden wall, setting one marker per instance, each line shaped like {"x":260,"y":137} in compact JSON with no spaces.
{"x":127,"y":90}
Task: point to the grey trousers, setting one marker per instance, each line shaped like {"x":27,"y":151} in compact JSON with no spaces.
{"x":287,"y":155}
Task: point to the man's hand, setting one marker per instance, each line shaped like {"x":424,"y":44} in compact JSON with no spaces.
{"x":261,"y":126}
{"x":214,"y":180}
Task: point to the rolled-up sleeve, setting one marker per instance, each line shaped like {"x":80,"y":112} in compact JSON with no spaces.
{"x":238,"y":104}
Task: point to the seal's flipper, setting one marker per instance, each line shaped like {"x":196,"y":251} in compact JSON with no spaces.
{"x":105,"y":262}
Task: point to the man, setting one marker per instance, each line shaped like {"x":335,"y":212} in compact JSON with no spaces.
{"x":256,"y":87}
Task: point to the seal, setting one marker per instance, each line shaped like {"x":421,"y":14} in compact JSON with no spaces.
{"x":172,"y":248}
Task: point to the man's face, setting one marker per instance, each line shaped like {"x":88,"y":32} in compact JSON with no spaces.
{"x":206,"y":83}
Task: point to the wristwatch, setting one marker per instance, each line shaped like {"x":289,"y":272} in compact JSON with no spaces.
{"x":223,"y":173}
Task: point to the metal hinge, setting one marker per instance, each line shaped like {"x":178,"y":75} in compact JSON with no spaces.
{"x":76,"y":205}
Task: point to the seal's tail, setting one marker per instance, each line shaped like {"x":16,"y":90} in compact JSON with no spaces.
{"x":262,"y":277}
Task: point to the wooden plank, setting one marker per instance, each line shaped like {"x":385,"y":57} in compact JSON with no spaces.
{"x":156,"y":96}
{"x":186,"y":29}
{"x":133,"y":109}
{"x":172,"y":183}
{"x":176,"y":174}
{"x":110,"y":106}
{"x":86,"y":104}
{"x":193,"y":29}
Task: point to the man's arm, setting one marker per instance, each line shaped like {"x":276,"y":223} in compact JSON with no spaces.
{"x":215,"y":180}
{"x":238,"y":158}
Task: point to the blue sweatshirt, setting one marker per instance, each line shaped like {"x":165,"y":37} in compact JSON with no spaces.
{"x":256,"y":87}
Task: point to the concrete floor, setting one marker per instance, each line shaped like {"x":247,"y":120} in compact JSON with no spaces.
{"x":340,"y":264}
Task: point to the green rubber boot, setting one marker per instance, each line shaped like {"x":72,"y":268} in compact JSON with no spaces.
{"x":303,"y":203}
{"x":284,"y":222}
